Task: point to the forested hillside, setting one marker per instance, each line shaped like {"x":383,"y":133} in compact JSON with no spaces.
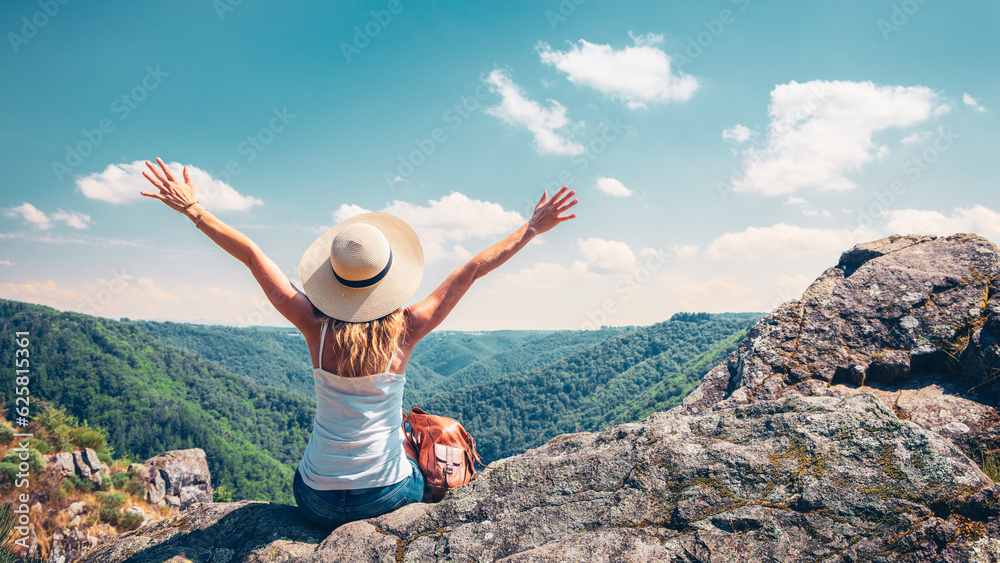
{"x":623,"y":378}
{"x":268,"y":355}
{"x":151,"y":398}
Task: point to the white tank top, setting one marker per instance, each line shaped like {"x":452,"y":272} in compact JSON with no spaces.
{"x":357,"y":435}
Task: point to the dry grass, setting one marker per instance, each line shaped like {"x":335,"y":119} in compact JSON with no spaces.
{"x":51,"y":497}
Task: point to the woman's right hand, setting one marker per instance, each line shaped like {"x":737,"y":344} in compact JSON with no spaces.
{"x":548,"y":212}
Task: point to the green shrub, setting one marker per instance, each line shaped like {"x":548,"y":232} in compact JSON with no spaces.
{"x":112,"y":500}
{"x":105,"y":458}
{"x":75,"y":483}
{"x":51,"y":417}
{"x":111,"y":504}
{"x":990,"y":464}
{"x":59,"y":438}
{"x":130,"y":484}
{"x":118,"y":479}
{"x":135,"y":486}
{"x":35,"y":461}
{"x":111,"y":515}
{"x":6,"y":432}
{"x":222,"y":494}
{"x":41,"y":445}
{"x":106,"y":483}
{"x":129,"y":521}
{"x":9,"y":471}
{"x":88,"y":438}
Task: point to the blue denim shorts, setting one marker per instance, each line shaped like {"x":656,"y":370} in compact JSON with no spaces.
{"x":335,"y":508}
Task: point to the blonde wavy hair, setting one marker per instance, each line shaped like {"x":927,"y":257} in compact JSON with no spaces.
{"x":365,"y":348}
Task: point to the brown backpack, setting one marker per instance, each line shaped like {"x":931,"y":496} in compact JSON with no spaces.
{"x":445,"y":451}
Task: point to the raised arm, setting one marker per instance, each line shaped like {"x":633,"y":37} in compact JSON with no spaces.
{"x":179,"y":196}
{"x":424,"y":316}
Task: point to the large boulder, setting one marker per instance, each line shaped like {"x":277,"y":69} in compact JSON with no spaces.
{"x":911,"y":319}
{"x":180,"y":473}
{"x":794,"y":479}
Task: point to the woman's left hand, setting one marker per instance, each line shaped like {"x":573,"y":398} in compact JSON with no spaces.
{"x":173,"y":193}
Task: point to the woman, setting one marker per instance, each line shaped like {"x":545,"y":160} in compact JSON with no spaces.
{"x":356,"y":278}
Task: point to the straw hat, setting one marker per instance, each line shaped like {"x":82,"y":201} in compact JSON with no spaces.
{"x":363,"y":268}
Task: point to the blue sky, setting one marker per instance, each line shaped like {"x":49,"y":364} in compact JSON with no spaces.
{"x":724,"y":152}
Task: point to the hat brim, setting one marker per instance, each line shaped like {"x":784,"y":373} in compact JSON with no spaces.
{"x":369,"y":303}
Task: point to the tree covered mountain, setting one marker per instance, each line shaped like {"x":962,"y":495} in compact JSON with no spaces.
{"x":621,"y":379}
{"x":245,"y":395}
{"x":149,"y":397}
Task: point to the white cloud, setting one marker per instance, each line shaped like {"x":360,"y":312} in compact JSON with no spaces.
{"x":41,"y":221}
{"x":719,"y":293}
{"x":816,"y":213}
{"x":785,"y":242}
{"x":31,"y":214}
{"x":737,"y":133}
{"x":600,"y":258}
{"x":74,"y":219}
{"x":6,"y":263}
{"x":613,"y":187}
{"x":972,"y":102}
{"x":976,"y":219}
{"x":685,"y":251}
{"x":914,"y":138}
{"x":515,"y":109}
{"x":444,"y":222}
{"x":346,"y":211}
{"x":636,"y":75}
{"x":606,"y":256}
{"x":821,"y":131}
{"x":121,"y":183}
{"x":452,"y":219}
{"x":542,"y":276}
{"x":648,"y":39}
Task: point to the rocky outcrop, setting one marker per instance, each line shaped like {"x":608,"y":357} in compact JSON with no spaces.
{"x":800,"y":478}
{"x":910,"y":319}
{"x":179,"y":477}
{"x":832,"y":434}
{"x":84,"y":463}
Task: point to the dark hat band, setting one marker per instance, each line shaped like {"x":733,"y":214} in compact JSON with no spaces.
{"x":358,"y":284}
